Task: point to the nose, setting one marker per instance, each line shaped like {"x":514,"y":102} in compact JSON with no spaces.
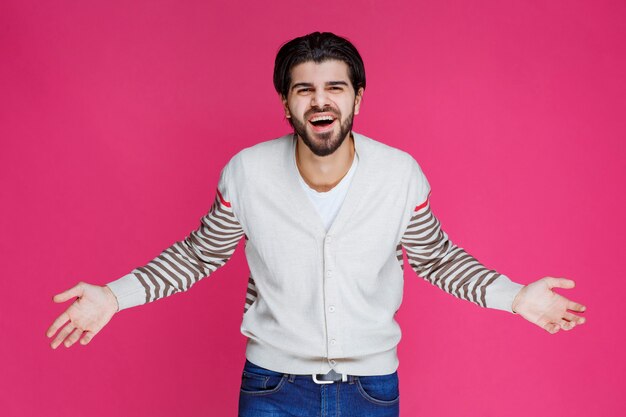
{"x":320,"y":98}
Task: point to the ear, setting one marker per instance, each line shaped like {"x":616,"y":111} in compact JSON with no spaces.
{"x":283,"y":99}
{"x":357,"y":100}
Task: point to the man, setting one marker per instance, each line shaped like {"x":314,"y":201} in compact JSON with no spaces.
{"x":325,"y":212}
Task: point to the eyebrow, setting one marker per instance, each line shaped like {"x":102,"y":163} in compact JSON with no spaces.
{"x":327,"y":84}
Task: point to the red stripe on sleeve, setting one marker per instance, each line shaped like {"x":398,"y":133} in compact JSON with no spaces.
{"x":224,"y":202}
{"x":421,"y":206}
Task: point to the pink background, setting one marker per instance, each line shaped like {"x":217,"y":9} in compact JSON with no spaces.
{"x":116,"y":118}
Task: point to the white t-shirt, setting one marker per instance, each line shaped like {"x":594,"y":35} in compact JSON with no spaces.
{"x":329,"y":202}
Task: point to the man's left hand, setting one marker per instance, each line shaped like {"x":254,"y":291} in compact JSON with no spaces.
{"x":538,"y":304}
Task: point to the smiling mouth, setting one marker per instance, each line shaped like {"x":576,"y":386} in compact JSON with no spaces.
{"x":322,"y":125}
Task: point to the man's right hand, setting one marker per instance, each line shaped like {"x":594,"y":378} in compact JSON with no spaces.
{"x":88,"y":314}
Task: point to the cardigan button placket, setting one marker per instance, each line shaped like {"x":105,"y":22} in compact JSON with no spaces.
{"x":332,"y":343}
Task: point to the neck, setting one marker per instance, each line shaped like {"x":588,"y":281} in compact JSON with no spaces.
{"x":322,"y":173}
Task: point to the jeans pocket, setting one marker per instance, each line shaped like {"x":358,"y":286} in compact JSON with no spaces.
{"x":256,"y":380}
{"x":380,"y":389}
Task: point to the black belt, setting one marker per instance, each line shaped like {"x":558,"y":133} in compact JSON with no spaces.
{"x":329,"y":378}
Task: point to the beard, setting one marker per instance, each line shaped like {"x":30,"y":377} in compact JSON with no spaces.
{"x":323,"y":144}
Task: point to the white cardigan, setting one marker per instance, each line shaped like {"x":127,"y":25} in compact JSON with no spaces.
{"x":321,"y":300}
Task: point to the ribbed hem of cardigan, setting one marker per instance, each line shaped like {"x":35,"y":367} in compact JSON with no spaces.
{"x":128,"y":291}
{"x":501,"y":293}
{"x":382,"y":363}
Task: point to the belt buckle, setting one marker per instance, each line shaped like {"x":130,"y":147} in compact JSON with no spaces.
{"x":329,"y":378}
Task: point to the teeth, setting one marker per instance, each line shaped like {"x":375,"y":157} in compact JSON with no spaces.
{"x":318,"y":118}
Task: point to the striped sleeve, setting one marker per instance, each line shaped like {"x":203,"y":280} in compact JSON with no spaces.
{"x":186,"y":262}
{"x":435,"y":258}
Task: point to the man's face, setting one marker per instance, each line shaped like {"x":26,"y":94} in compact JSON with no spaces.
{"x":321,"y":104}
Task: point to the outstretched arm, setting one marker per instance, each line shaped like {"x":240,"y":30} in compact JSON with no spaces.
{"x":186,"y":262}
{"x":435,"y":258}
{"x":176,"y":269}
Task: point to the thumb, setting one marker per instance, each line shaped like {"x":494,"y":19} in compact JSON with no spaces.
{"x":560,"y":283}
{"x":75,"y":291}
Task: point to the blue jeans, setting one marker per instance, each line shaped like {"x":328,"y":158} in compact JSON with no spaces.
{"x":274,"y":394}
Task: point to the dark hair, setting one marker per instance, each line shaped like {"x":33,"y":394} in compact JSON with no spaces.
{"x":317,"y":47}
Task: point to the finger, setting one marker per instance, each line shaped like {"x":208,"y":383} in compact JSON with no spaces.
{"x":566,"y":325}
{"x":571,"y":305}
{"x":87,"y":337}
{"x":551,"y":328}
{"x":62,"y":335}
{"x":73,"y":337}
{"x":560,"y":283}
{"x":75,"y":291}
{"x":56,"y":325}
{"x":573,"y":318}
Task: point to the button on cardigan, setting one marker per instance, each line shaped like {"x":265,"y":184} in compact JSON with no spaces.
{"x":319,"y":300}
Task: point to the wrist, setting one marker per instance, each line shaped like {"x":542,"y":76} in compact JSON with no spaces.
{"x":112,"y":298}
{"x":516,"y":301}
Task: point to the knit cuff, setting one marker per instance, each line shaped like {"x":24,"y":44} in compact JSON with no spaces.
{"x":501,"y":293}
{"x":128,"y":291}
